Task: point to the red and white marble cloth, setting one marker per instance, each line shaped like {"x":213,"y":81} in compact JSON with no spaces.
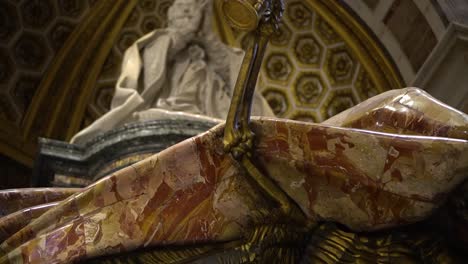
{"x":409,"y":152}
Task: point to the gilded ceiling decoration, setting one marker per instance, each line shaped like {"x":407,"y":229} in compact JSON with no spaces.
{"x":311,"y":72}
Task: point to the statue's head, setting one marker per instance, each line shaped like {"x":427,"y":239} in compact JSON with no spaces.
{"x":186,"y":15}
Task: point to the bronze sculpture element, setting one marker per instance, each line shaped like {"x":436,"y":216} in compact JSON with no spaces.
{"x":261,"y":17}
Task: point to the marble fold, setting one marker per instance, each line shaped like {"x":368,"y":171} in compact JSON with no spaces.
{"x":377,"y":171}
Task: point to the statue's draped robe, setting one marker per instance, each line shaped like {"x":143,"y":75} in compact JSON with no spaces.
{"x":160,"y":79}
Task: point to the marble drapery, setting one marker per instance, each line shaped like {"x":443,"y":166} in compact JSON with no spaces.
{"x":391,"y":163}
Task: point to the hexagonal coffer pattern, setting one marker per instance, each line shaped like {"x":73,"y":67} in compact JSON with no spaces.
{"x":340,"y":66}
{"x":307,"y":50}
{"x":31,"y":51}
{"x":337,"y":102}
{"x":278,"y":101}
{"x":279,"y":67}
{"x":72,"y":8}
{"x":37,"y":14}
{"x":9,"y":21}
{"x":299,"y":14}
{"x":31,"y":33}
{"x":321,"y":63}
{"x":309,"y":89}
{"x":6,"y":67}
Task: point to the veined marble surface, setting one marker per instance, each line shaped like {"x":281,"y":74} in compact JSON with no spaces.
{"x":397,"y":168}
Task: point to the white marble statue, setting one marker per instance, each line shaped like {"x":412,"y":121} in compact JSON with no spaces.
{"x":183,"y":70}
